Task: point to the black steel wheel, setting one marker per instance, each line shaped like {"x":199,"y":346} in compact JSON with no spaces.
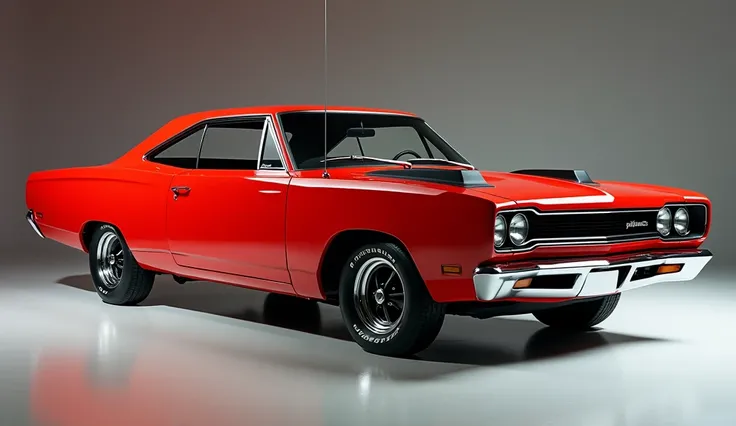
{"x":385,"y":304}
{"x":117,"y":277}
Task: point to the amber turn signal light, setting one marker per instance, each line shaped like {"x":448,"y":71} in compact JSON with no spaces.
{"x":668,"y":269}
{"x":523,"y":283}
{"x":452,"y":270}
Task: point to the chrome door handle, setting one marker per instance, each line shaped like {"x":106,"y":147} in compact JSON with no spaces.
{"x":180,"y":190}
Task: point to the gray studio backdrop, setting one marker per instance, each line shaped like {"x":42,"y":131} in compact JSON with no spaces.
{"x":634,"y":91}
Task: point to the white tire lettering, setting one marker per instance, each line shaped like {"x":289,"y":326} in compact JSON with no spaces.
{"x":372,"y":339}
{"x":371,"y":250}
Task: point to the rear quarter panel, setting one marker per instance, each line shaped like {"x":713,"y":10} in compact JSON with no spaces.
{"x":132,"y":199}
{"x":437,"y":226}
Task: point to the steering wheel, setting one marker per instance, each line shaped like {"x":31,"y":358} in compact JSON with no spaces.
{"x":406,"y":151}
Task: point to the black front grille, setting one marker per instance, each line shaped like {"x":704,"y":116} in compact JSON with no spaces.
{"x":599,"y":227}
{"x":592,"y":225}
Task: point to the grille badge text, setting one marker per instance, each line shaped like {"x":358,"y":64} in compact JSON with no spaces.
{"x":635,"y":224}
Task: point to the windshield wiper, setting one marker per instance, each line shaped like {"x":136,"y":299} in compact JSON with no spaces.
{"x":406,"y":164}
{"x":441,"y":161}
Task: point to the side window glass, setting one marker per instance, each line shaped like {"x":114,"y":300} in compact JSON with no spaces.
{"x":232,"y":146}
{"x":271,"y":159}
{"x":182,"y":153}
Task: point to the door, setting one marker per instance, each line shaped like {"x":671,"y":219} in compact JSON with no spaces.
{"x":227,"y":214}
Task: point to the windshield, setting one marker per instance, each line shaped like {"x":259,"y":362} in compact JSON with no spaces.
{"x":354,"y":137}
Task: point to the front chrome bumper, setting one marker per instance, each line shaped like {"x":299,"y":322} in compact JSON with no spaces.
{"x":587,"y":277}
{"x":32,"y":221}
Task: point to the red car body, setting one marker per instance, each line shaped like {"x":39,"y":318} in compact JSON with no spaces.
{"x":273,"y":229}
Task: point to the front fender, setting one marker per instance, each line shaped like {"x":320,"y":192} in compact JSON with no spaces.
{"x":437,"y":226}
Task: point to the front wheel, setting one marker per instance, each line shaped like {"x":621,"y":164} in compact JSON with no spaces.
{"x":580,"y":315}
{"x":117,"y":277}
{"x":385,"y":304}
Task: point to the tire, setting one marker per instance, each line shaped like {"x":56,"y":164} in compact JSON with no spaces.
{"x":581,"y":315}
{"x":414,"y":324}
{"x":123,"y":282}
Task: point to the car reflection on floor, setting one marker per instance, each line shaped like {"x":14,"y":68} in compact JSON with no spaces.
{"x":148,"y":381}
{"x":144,"y":367}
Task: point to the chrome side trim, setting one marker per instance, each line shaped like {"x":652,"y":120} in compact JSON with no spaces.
{"x":594,"y":277}
{"x":32,"y":221}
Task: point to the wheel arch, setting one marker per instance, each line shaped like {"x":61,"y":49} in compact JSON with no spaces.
{"x":338,"y":250}
{"x":88,"y":229}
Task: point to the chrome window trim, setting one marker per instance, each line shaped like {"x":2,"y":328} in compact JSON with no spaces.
{"x":178,"y":136}
{"x":268,"y":128}
{"x":596,"y":240}
{"x":173,"y":140}
{"x":348,"y":111}
{"x":283,"y":139}
{"x":288,"y":152}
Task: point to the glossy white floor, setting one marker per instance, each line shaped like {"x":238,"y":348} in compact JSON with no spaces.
{"x":208,"y":354}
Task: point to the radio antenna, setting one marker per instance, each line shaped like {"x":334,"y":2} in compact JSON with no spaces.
{"x":324,"y":173}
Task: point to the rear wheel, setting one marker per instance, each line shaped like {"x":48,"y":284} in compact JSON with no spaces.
{"x":117,"y":277}
{"x":385,"y":303}
{"x":581,"y":315}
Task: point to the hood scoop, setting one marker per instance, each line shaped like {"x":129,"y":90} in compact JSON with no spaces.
{"x":463,"y":178}
{"x":578,"y":176}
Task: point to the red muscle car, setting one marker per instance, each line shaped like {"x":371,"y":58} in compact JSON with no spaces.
{"x":378,"y":214}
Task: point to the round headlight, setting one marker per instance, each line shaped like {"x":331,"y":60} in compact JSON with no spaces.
{"x":499,"y":231}
{"x":682,"y":221}
{"x":518,"y":229}
{"x":664,"y":221}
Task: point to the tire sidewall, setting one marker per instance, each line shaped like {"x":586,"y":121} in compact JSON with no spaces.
{"x":365,"y":337}
{"x":117,"y":293}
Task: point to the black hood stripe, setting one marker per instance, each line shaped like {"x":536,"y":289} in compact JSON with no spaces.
{"x":462,"y":178}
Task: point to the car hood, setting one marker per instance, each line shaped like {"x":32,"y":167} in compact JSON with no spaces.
{"x":554,"y":193}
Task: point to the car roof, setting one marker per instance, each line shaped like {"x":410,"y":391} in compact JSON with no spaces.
{"x":182,"y":122}
{"x":276,"y":109}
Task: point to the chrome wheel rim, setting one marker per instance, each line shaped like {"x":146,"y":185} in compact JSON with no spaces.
{"x":379,"y":296}
{"x":110,"y":259}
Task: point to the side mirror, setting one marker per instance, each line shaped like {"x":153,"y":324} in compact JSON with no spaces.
{"x":360,"y":132}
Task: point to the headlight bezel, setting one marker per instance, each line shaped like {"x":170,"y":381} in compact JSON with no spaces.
{"x":686,"y":230}
{"x":663,"y":230}
{"x":521,"y":217}
{"x":504,"y":232}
